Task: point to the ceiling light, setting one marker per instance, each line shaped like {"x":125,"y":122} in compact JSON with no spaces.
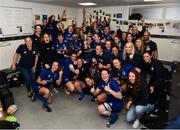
{"x":87,"y":4}
{"x":152,"y":0}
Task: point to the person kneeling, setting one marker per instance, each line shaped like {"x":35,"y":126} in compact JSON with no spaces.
{"x":114,"y":102}
{"x":44,"y":83}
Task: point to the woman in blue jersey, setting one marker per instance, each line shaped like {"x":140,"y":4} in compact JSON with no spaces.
{"x":52,"y":27}
{"x":120,"y":72}
{"x":77,"y":45}
{"x":116,"y":54}
{"x":114,"y":102}
{"x":69,"y":73}
{"x":45,"y":82}
{"x":60,"y":47}
{"x":68,"y":35}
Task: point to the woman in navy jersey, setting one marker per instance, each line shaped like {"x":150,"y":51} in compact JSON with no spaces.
{"x":114,"y":102}
{"x":45,"y":82}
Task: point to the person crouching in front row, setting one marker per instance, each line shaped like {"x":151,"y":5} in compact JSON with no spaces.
{"x":44,"y":83}
{"x":114,"y":102}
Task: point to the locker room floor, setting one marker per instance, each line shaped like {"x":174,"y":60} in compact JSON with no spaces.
{"x":69,"y":112}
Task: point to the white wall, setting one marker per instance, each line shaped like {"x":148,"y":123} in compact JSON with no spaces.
{"x":41,"y":8}
{"x":6,"y":52}
{"x":111,"y":9}
{"x":167,"y":51}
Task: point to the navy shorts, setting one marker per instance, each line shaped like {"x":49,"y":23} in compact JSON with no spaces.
{"x":65,"y":80}
{"x":114,"y":107}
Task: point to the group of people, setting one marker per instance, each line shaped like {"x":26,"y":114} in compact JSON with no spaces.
{"x":118,"y":69}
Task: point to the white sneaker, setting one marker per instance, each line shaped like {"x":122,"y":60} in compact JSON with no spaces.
{"x":66,"y":91}
{"x":153,"y":115}
{"x":136,"y":124}
{"x":167,"y":97}
{"x":54,"y":91}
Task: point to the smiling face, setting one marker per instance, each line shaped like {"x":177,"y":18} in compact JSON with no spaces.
{"x":89,"y":81}
{"x":44,"y":22}
{"x":61,"y":38}
{"x":96,"y":38}
{"x":116,"y":40}
{"x":115,"y":51}
{"x":70,"y":29}
{"x":147,"y":57}
{"x":124,"y":35}
{"x":55,"y":66}
{"x":129,"y":38}
{"x":146,"y":36}
{"x":73,"y":57}
{"x":38,"y":30}
{"x":108,"y":45}
{"x":105,"y":76}
{"x":89,"y":39}
{"x":46,"y":38}
{"x":116,"y":63}
{"x":134,"y":30}
{"x":132,"y":77}
{"x":106,"y":30}
{"x":138,"y":43}
{"x":98,"y":50}
{"x":128,"y":48}
{"x":28,"y":41}
{"x":79,"y":62}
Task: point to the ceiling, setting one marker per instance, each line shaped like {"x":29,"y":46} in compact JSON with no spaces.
{"x":74,"y":3}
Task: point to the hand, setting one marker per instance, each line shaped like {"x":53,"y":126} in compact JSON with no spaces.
{"x":77,"y":71}
{"x":79,"y":66}
{"x":61,"y":26}
{"x":34,"y":68}
{"x":75,"y":62}
{"x":84,"y":61}
{"x":103,"y":41}
{"x":138,"y":70}
{"x":148,"y":48}
{"x":60,"y":72}
{"x":142,"y":20}
{"x":118,"y":82}
{"x":47,"y":66}
{"x":128,"y":105}
{"x":107,"y":88}
{"x":59,"y":52}
{"x":94,"y":60}
{"x":151,"y":89}
{"x":92,"y":90}
{"x":100,"y":66}
{"x":13,"y":67}
{"x":43,"y":82}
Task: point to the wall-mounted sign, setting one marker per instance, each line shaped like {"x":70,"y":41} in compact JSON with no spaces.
{"x":119,"y":15}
